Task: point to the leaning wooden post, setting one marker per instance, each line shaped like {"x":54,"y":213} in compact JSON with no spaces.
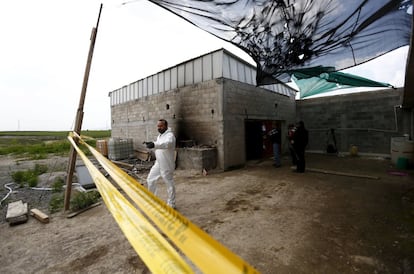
{"x":79,"y":116}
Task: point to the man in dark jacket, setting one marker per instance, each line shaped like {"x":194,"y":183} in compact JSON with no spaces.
{"x":300,"y":141}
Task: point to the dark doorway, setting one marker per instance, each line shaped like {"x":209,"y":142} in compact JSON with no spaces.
{"x":254,"y":139}
{"x":258,"y":146}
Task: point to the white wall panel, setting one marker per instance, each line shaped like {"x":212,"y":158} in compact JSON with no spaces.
{"x":150,"y":85}
{"x":167,"y":80}
{"x":145,"y":87}
{"x":130,"y":93}
{"x":161,"y":79}
{"x":226,"y":67}
{"x":248,"y":72}
{"x":207,"y":67}
{"x":181,"y":75}
{"x":174,"y":78}
{"x":233,"y":69}
{"x":155,"y":84}
{"x":140,"y":88}
{"x":198,"y":70}
{"x":124,"y":94}
{"x":240,"y":72}
{"x":135,"y":89}
{"x":189,"y":73}
{"x":217,"y":64}
{"x":254,"y":77}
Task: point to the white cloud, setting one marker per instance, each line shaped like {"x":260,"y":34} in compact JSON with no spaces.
{"x":389,"y":68}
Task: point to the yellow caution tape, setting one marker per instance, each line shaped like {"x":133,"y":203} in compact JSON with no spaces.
{"x":154,"y":250}
{"x":205,"y":252}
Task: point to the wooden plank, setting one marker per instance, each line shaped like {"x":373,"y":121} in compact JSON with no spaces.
{"x":73,"y":214}
{"x":39,"y":215}
{"x":342,"y":173}
{"x":122,"y":164}
{"x":143,"y":155}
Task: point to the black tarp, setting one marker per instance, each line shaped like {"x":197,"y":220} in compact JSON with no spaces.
{"x":282,"y":36}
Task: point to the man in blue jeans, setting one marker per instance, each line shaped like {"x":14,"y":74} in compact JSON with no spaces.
{"x":275,"y":138}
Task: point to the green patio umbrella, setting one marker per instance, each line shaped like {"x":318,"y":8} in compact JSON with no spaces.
{"x":317,"y":80}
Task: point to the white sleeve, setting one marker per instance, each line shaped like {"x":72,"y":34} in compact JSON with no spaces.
{"x":164,"y":142}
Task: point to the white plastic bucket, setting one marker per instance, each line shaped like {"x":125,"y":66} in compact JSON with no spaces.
{"x":402,"y":148}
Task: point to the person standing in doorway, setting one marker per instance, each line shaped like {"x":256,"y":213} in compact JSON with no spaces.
{"x":291,"y":132}
{"x":275,"y":138}
{"x":164,"y":165}
{"x":300,"y":141}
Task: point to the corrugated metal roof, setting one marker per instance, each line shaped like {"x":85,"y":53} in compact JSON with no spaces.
{"x":216,"y":64}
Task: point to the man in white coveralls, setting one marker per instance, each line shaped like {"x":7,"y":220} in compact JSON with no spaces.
{"x":164,"y":164}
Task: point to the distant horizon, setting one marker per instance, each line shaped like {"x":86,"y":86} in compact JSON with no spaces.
{"x":53,"y":130}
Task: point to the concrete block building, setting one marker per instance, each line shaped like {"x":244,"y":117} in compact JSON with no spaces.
{"x":220,"y":116}
{"x":211,"y":102}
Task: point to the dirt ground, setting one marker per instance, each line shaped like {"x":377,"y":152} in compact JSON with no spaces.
{"x":277,"y":220}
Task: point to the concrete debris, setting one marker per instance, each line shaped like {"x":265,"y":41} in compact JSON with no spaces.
{"x":17,"y":213}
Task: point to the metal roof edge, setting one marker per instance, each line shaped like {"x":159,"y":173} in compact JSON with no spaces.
{"x":224,"y":50}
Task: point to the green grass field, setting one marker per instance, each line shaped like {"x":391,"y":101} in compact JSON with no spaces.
{"x":37,"y":144}
{"x":56,"y":134}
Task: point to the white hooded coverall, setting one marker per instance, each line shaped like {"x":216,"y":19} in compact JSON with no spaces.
{"x":164,"y":165}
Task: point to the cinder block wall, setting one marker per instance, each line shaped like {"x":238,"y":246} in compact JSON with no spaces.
{"x":242,"y":102}
{"x":196,"y":113}
{"x":193,"y":112}
{"x":367,"y":120}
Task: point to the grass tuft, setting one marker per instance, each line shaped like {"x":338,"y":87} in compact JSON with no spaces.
{"x":82,"y":200}
{"x":29,"y":176}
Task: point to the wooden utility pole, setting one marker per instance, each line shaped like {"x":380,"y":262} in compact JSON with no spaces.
{"x":79,"y":115}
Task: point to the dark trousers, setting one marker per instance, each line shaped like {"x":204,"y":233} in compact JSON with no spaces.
{"x":293,"y":155}
{"x":300,"y":164}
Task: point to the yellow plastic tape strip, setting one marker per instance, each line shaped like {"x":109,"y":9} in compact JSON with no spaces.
{"x":205,"y":252}
{"x":154,"y":250}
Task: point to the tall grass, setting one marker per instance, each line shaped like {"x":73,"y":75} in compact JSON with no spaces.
{"x":38,"y":144}
{"x":57,"y":134}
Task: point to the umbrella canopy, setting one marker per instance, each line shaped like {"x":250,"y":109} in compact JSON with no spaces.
{"x":312,"y":81}
{"x":282,"y":36}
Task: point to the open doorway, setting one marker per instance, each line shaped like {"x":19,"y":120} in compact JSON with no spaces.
{"x":258,"y":146}
{"x":254,"y":139}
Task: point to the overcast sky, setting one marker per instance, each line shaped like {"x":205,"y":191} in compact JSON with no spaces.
{"x":45,"y":43}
